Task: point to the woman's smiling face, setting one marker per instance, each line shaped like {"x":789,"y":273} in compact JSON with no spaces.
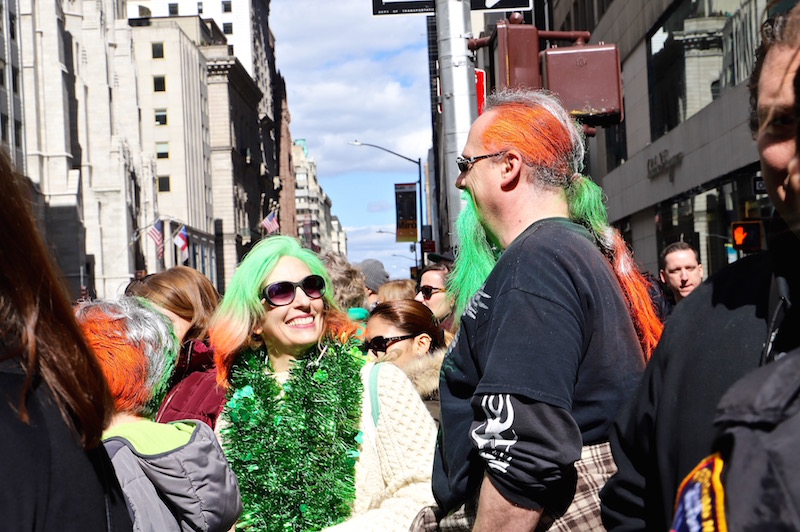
{"x":291,"y":329}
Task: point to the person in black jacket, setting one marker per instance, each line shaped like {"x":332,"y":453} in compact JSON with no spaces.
{"x":54,"y":402}
{"x":739,"y":319}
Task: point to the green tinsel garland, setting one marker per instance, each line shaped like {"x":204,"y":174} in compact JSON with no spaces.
{"x":295,"y":457}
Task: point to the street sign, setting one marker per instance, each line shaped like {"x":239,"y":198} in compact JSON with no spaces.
{"x":501,"y":5}
{"x":416,"y":7}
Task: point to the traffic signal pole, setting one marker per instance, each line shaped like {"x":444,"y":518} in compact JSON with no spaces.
{"x":459,"y":105}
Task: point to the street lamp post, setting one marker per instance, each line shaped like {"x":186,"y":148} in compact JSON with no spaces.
{"x":418,"y":162}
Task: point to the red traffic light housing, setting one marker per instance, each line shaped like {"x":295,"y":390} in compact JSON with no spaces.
{"x":747,"y":236}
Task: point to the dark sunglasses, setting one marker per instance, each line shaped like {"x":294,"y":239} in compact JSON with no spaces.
{"x":465,"y":164}
{"x":282,"y":293}
{"x":379,"y":344}
{"x":428,"y":291}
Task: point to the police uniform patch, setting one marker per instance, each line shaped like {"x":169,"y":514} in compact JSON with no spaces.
{"x":700,"y":503}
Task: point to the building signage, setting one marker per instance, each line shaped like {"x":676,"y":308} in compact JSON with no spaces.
{"x":661,"y":163}
{"x":412,"y":7}
{"x":406,"y":200}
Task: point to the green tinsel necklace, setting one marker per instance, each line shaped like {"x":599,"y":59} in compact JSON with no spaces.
{"x":295,"y":455}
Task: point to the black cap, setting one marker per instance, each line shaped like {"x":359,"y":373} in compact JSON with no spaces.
{"x":447,"y":256}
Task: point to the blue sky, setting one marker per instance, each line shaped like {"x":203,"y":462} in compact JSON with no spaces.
{"x":353,"y":76}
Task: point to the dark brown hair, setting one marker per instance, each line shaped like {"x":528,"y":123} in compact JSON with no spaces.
{"x":781,"y":29}
{"x":411,"y":317}
{"x":672,"y":248}
{"x":184,"y":291}
{"x":37,"y":325}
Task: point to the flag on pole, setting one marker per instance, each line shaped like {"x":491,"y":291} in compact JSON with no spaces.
{"x":156,"y":233}
{"x":182,"y":242}
{"x":270,"y":223}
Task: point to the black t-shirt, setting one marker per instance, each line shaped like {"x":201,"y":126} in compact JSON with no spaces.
{"x":545,"y":355}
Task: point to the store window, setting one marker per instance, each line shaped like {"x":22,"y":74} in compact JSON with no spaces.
{"x":703,"y":219}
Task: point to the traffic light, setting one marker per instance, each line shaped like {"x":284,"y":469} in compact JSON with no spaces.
{"x":747,"y":236}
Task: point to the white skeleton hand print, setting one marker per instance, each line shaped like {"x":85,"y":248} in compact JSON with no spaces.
{"x":489,"y":437}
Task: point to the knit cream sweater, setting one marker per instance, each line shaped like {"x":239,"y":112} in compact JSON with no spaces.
{"x":393,"y":471}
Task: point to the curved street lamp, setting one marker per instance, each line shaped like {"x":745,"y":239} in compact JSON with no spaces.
{"x":418,"y":162}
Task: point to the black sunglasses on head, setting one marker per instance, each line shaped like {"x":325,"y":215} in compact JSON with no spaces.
{"x":379,"y":344}
{"x":428,"y":291}
{"x":282,"y":293}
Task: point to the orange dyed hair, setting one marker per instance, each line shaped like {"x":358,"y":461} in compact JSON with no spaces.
{"x":124,"y":365}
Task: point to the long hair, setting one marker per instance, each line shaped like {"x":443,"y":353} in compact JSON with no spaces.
{"x":241,"y":309}
{"x":136,"y":347}
{"x":184,"y":291}
{"x":411,"y":317}
{"x":551,"y":143}
{"x":37,"y":326}
{"x":397,"y":289}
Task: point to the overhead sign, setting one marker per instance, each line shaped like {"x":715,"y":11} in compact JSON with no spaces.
{"x":413,"y":7}
{"x":406,"y":200}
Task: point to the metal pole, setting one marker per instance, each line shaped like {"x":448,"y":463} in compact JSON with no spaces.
{"x":421,"y":218}
{"x":459,"y":103}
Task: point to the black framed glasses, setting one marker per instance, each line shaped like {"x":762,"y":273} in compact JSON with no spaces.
{"x":465,"y":164}
{"x":428,"y":291}
{"x":379,"y":344}
{"x":282,"y":293}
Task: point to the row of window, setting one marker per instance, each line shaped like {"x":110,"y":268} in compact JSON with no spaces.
{"x":14,"y":78}
{"x":226,"y":8}
{"x":4,"y":131}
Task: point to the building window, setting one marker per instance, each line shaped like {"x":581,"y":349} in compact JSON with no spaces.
{"x":15,"y":79}
{"x":162,"y":150}
{"x":159,"y":84}
{"x":163,"y":183}
{"x":227,"y":28}
{"x":199,"y":8}
{"x":12,"y":28}
{"x":17,"y":133}
{"x":158,"y":50}
{"x":161,"y":117}
{"x":226,"y":6}
{"x":4,"y":125}
{"x":230,"y":49}
{"x":173,"y":9}
{"x":2,"y":75}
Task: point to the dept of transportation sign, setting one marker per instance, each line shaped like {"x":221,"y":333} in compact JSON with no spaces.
{"x":410,"y":7}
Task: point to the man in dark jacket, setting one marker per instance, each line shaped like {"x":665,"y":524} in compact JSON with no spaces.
{"x":737,"y":320}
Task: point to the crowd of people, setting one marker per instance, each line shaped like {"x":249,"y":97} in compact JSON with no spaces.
{"x":536,"y":379}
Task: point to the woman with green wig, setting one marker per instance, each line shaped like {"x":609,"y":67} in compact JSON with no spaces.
{"x":317,"y":437}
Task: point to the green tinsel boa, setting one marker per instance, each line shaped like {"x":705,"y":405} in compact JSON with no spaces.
{"x":295,"y":456}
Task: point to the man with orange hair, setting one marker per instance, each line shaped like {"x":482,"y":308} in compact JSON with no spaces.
{"x":547,"y":349}
{"x":174,"y":476}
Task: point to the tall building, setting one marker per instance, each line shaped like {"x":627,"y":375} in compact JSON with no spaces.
{"x":682,"y":165}
{"x":316,"y":228}
{"x":81,"y":139}
{"x":245,"y":25}
{"x":174,"y":103}
{"x":239,"y":188}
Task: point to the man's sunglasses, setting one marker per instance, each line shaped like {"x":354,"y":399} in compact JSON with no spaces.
{"x":379,"y":344}
{"x":465,"y":164}
{"x":282,"y":293}
{"x":428,"y":291}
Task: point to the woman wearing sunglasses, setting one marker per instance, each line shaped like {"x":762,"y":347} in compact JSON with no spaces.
{"x":433,"y":294}
{"x":299,"y":427}
{"x":405,"y":333}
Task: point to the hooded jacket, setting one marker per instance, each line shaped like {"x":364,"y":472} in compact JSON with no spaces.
{"x":174,"y":476}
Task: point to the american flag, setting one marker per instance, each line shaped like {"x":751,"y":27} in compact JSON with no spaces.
{"x":182,"y":242}
{"x":270,"y":223}
{"x":157,"y":234}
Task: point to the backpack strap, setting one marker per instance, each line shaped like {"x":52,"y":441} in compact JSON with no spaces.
{"x":373,"y":392}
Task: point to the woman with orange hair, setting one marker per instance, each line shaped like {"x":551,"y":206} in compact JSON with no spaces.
{"x":315,"y":435}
